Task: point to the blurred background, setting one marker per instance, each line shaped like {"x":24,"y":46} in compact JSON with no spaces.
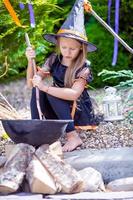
{"x":44,"y":16}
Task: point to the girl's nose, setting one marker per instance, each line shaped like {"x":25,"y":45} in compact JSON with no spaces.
{"x":68,"y":52}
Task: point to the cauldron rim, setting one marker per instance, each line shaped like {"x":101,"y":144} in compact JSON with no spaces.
{"x":48,"y":120}
{"x":34,"y":131}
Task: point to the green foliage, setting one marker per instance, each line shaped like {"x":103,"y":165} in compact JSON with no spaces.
{"x":127,"y":75}
{"x":49,"y":16}
{"x":98,"y":35}
{"x":126,"y":11}
{"x":129,"y":107}
{"x":12,"y":37}
{"x":102,"y":58}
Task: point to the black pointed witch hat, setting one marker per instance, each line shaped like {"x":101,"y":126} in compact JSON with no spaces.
{"x":73,"y":27}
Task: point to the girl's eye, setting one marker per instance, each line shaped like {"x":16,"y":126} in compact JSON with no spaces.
{"x":63,"y":47}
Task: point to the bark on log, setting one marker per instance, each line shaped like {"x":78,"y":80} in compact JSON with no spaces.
{"x":56,"y":149}
{"x":15,"y":168}
{"x":8,"y":149}
{"x":39,"y":179}
{"x":2,"y":161}
{"x":63,"y":173}
{"x":1,"y":170}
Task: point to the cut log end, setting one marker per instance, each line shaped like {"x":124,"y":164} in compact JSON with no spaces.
{"x":77,"y":187}
{"x":7,"y":188}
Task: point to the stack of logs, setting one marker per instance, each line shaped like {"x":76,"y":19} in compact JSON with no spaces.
{"x":42,"y":169}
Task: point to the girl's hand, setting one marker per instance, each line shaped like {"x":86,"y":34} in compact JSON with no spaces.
{"x":37,"y":82}
{"x":30,"y":53}
{"x":42,"y":73}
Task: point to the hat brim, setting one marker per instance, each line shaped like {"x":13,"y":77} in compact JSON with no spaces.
{"x":53,"y":38}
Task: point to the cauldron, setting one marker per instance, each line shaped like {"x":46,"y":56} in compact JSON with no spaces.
{"x":35,"y":132}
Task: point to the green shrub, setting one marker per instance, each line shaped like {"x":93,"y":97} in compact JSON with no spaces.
{"x":49,"y":17}
{"x":12,"y":37}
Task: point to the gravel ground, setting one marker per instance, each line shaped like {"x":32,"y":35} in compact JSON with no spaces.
{"x":108,"y":134}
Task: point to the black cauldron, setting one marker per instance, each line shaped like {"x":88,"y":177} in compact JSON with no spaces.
{"x":35,"y":132}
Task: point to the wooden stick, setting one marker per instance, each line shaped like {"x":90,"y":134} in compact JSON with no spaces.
{"x":41,"y":116}
{"x":7,"y":103}
{"x":6,"y":109}
{"x":88,"y":8}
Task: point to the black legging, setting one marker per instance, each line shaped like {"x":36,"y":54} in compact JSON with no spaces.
{"x":52,"y":108}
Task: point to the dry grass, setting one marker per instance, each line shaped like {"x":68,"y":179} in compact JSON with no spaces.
{"x":6,"y":110}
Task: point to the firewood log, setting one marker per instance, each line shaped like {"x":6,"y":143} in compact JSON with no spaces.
{"x":8,"y":149}
{"x":15,"y":168}
{"x":40,"y":181}
{"x":63,"y":173}
{"x":3,"y":160}
{"x":56,"y":149}
{"x":1,"y":170}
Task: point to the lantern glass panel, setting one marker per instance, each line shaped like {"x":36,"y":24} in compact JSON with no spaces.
{"x":112,"y":106}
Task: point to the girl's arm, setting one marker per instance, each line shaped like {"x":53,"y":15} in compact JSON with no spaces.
{"x":29,"y":74}
{"x":30,"y":54}
{"x":63,"y":93}
{"x":68,"y":93}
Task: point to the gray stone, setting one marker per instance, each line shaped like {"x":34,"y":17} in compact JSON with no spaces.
{"x":95,"y":195}
{"x":22,"y":196}
{"x":92,"y":180}
{"x":2,"y":161}
{"x":113,"y":163}
{"x":123,"y":184}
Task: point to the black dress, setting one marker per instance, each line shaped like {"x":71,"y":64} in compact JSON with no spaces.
{"x":55,"y":108}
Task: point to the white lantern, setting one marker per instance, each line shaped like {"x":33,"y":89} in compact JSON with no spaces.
{"x":112,"y":105}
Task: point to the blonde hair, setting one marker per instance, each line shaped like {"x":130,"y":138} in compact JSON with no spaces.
{"x":76,"y":65}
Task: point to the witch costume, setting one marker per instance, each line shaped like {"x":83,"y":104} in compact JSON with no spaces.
{"x":56,"y":108}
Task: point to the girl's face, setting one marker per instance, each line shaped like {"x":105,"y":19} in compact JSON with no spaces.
{"x":69,"y":48}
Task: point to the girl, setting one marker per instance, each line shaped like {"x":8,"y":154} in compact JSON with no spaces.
{"x":70,"y":74}
{"x":67,"y":97}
